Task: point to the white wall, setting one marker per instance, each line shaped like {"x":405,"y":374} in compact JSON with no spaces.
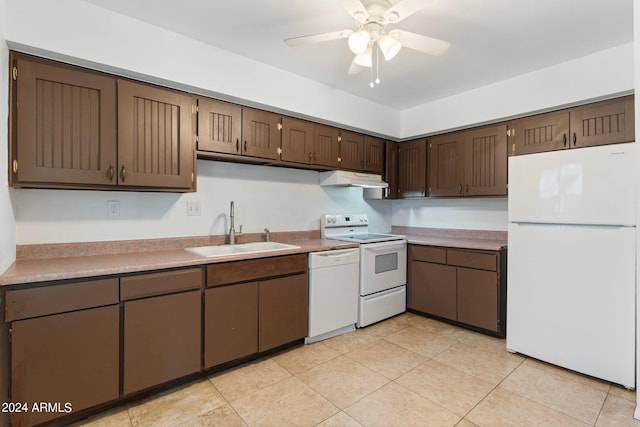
{"x":595,"y":76}
{"x":278,"y":198}
{"x":470,"y":214}
{"x":85,"y":34}
{"x":7,"y":221}
{"x":599,"y":75}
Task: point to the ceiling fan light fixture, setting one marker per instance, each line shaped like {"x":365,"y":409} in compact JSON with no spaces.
{"x":389,"y":46}
{"x":359,"y":41}
{"x":364,"y":59}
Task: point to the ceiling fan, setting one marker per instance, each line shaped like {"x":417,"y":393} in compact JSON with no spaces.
{"x":371,"y":33}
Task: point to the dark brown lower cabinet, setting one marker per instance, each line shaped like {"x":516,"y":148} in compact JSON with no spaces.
{"x":433,"y":289}
{"x":230,"y":323}
{"x":253,"y":306}
{"x":70,"y":358}
{"x":161,"y":339}
{"x":477,"y":298}
{"x":461,"y":285}
{"x":283,"y":311}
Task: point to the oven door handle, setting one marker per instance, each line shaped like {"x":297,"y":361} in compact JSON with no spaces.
{"x":385,"y":247}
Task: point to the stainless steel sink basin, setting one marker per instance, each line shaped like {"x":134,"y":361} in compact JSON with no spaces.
{"x":242,"y":248}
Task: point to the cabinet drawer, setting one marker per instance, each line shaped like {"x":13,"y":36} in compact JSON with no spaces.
{"x":428,"y":254}
{"x":162,"y":283}
{"x":34,"y":302}
{"x":482,"y":261}
{"x":244,"y":271}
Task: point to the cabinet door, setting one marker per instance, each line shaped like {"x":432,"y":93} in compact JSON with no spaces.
{"x":351,"y":151}
{"x":260,"y":134}
{"x":155,"y":136}
{"x":71,"y":357}
{"x":485,"y":161}
{"x":297,"y":141}
{"x":478,"y":298}
{"x":230,"y":323}
{"x":65,"y":124}
{"x":161,"y":339}
{"x":536,"y":134}
{"x":283,"y":311}
{"x":606,"y":122}
{"x":374,"y":150}
{"x":433,"y":289}
{"x":391,"y":170}
{"x":446,"y":163}
{"x":219,"y":126}
{"x":412,"y":173}
{"x":326,"y":146}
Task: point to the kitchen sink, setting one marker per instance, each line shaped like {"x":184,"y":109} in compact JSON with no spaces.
{"x":242,"y":248}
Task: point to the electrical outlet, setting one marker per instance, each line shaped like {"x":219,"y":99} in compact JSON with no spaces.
{"x":194,"y":208}
{"x":113,"y":207}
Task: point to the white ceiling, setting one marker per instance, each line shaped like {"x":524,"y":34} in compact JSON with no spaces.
{"x":492,"y":40}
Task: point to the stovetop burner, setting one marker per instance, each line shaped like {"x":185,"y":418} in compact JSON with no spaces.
{"x":352,"y":228}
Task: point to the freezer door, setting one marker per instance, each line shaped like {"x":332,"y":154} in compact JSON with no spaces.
{"x":593,"y":185}
{"x":571,"y":298}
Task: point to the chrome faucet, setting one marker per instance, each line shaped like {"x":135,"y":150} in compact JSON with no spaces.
{"x":232,"y":228}
{"x":267,"y":232}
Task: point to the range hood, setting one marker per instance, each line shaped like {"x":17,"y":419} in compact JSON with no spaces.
{"x":351,"y":179}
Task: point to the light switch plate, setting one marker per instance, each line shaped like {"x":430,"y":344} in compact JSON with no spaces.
{"x":113,"y":207}
{"x":194,"y":208}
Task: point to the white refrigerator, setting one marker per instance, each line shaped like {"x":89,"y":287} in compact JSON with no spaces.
{"x":571,"y":269}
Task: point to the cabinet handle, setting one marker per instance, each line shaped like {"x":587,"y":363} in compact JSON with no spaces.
{"x":564,"y":139}
{"x":310,"y":155}
{"x":314,"y":156}
{"x":575,"y":139}
{"x":123,"y":173}
{"x":237,"y":144}
{"x":245,"y":145}
{"x":460,"y":188}
{"x":110,"y":173}
{"x":467,"y":188}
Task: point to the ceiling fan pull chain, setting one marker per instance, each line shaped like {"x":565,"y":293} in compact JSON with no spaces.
{"x":376,"y":47}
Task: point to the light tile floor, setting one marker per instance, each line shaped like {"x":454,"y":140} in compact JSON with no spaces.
{"x":405,"y":371}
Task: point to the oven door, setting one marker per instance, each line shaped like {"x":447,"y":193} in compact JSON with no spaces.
{"x":383,"y":266}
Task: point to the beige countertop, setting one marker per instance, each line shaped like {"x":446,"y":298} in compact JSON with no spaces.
{"x":458,"y":242}
{"x":70,"y":267}
{"x":454,"y":238}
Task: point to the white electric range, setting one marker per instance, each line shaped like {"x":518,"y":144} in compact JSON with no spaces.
{"x":383,"y":266}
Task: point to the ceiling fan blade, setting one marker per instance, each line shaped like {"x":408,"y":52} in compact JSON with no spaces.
{"x":420,"y":43}
{"x":403,"y":9}
{"x":355,"y":68}
{"x":318,"y":38}
{"x":356,"y":9}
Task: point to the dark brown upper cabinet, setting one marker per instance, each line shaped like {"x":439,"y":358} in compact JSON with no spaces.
{"x":600,"y":123}
{"x":485,"y":161}
{"x":469,"y":163}
{"x":261,"y":134}
{"x":391,"y":170}
{"x":297,"y":141}
{"x":326,"y":146}
{"x":535,"y":134}
{"x":351,"y":150}
{"x":219,"y":126}
{"x":74,"y":128}
{"x":63,"y":125}
{"x":361,"y":153}
{"x":155,"y":136}
{"x":446,"y":164}
{"x":412,"y":169}
{"x":374,"y":155}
